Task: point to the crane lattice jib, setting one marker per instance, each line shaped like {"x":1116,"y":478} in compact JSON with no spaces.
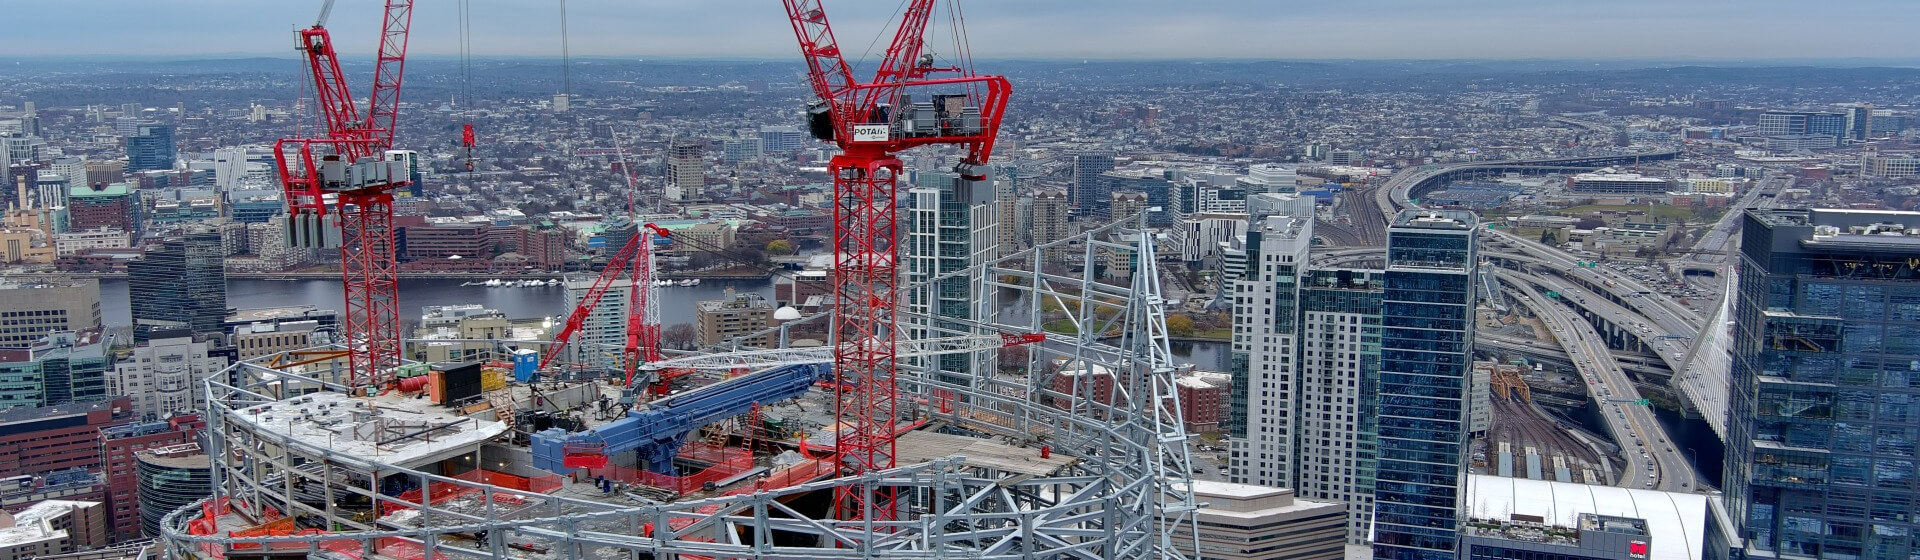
{"x":827,"y":68}
{"x":866,"y":217}
{"x":577,"y":319}
{"x":901,"y":64}
{"x":384,"y":103}
{"x":643,"y":320}
{"x":332,"y":97}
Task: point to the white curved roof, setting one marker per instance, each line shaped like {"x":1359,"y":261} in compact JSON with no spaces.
{"x":1677,"y":521}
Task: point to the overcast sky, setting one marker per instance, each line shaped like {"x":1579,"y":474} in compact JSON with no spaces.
{"x":1109,"y":29}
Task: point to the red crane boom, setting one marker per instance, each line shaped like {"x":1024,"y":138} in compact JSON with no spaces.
{"x":331,"y":183}
{"x":870,"y":122}
{"x":643,"y":317}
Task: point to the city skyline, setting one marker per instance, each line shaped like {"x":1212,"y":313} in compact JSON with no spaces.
{"x":1129,"y":29}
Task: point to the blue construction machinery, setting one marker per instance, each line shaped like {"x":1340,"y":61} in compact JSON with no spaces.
{"x":658,"y":430}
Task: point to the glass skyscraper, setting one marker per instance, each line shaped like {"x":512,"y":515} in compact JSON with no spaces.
{"x":1426,"y":350}
{"x":1090,"y":188}
{"x":1824,"y":409}
{"x":151,"y":148}
{"x":180,"y":283}
{"x":952,"y":224}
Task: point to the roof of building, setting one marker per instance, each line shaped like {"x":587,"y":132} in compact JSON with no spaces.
{"x":35,"y":523}
{"x":195,"y":461}
{"x":1678,"y":520}
{"x":1435,"y":219}
{"x":26,"y":413}
{"x":394,"y":430}
{"x":1631,"y":177}
{"x":922,"y":446}
{"x":270,"y":313}
{"x":47,"y":283}
{"x":1204,"y":379}
{"x":102,"y":189}
{"x":1246,"y":501}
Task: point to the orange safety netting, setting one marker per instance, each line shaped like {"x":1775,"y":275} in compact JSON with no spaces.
{"x":544,"y":484}
{"x":443,"y":491}
{"x":726,"y":462}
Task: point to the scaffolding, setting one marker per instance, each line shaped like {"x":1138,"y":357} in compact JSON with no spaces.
{"x":1118,"y":485}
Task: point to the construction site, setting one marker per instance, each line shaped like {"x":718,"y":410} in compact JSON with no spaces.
{"x":851,"y":434}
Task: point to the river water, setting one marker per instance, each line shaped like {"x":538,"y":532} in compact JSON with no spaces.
{"x":676,"y":306}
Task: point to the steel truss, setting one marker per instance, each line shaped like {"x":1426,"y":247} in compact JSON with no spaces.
{"x":1127,"y":496}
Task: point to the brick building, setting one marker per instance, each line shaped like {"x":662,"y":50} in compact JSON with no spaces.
{"x":108,"y":205}
{"x":57,"y":448}
{"x":118,"y":446}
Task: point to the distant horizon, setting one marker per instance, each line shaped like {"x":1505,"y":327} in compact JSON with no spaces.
{"x":1001,"y":29}
{"x":348,"y":57}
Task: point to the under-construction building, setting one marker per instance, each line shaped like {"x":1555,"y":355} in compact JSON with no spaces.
{"x":459,"y":461}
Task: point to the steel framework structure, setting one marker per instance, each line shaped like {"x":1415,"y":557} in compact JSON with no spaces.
{"x":1128,"y":494}
{"x":318,"y":186}
{"x":871,"y":122}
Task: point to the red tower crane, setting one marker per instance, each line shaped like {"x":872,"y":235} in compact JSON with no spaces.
{"x":870,"y":122}
{"x":339,"y":193}
{"x":635,"y":260}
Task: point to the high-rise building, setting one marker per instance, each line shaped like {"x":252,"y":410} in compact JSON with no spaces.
{"x":170,"y":478}
{"x":105,"y":172}
{"x":105,"y":205}
{"x":16,"y":147}
{"x":1306,"y":359}
{"x":1006,"y":195}
{"x":1153,"y":182}
{"x":952,"y":224}
{"x":1860,"y":121}
{"x":119,"y":447}
{"x":179,"y":282}
{"x":1823,"y":416}
{"x":164,"y":375}
{"x":781,"y":139}
{"x":1050,"y":221}
{"x":1089,"y":190}
{"x":64,"y":367}
{"x":687,"y":172}
{"x":30,"y":310}
{"x":150,"y":148}
{"x":73,"y":168}
{"x":605,"y":331}
{"x":1128,"y":203}
{"x":1266,"y":321}
{"x":1335,"y":398}
{"x":736,"y":150}
{"x":1426,"y":352}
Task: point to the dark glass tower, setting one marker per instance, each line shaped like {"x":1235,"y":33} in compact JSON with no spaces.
{"x":1426,"y":350}
{"x":151,"y":149}
{"x":1090,"y":189}
{"x":179,"y":283}
{"x":1824,"y":409}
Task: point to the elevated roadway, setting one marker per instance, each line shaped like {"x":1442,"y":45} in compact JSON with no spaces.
{"x":1404,"y":186}
{"x":1694,"y":347}
{"x":1652,"y":461}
